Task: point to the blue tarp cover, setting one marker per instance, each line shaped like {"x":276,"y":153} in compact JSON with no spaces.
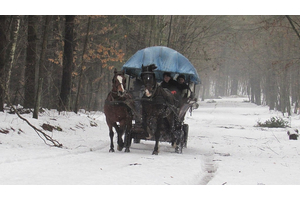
{"x":166,"y":60}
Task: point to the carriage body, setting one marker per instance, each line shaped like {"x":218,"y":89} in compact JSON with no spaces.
{"x":166,"y":60}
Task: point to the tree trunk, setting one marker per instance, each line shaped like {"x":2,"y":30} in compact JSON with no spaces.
{"x":41,"y":69}
{"x":257,"y":92}
{"x":203,"y":91}
{"x":234,"y":86}
{"x":170,"y":29}
{"x":12,"y":50}
{"x":3,"y":43}
{"x":38,"y":98}
{"x":82,"y":65}
{"x":55,"y":68}
{"x":270,"y":89}
{"x":297,"y":90}
{"x":66,"y":82}
{"x":30,"y":68}
{"x":255,"y":89}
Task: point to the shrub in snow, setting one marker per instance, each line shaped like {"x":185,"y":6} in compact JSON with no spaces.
{"x":274,"y":122}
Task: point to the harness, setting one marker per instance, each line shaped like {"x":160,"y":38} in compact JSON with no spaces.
{"x":115,"y":100}
{"x":154,"y":99}
{"x":159,"y":99}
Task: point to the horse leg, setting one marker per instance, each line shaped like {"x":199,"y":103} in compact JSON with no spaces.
{"x":127,"y":141}
{"x":111,"y":135}
{"x":120,"y":140}
{"x":127,"y":138}
{"x":179,"y":142}
{"x":170,"y":127}
{"x":179,"y":138}
{"x":157,"y":136}
{"x":155,"y":151}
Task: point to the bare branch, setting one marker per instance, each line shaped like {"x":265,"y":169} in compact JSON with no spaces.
{"x":40,"y":133}
{"x":291,"y":22}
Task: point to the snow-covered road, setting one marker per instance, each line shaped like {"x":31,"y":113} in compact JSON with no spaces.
{"x":224,"y":148}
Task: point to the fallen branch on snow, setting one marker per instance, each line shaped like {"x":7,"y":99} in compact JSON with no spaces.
{"x":38,"y":131}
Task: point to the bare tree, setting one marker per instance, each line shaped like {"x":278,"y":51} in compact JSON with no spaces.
{"x":249,"y":55}
{"x":41,"y":68}
{"x":31,"y":60}
{"x":82,"y":65}
{"x":3,"y":44}
{"x":67,"y":63}
{"x":293,"y":26}
{"x":12,"y":49}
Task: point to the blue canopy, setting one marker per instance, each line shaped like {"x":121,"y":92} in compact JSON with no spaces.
{"x":166,"y":60}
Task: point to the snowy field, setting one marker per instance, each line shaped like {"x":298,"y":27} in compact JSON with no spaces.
{"x":224,"y":148}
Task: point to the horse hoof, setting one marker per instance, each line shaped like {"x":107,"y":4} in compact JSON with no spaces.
{"x":178,"y":150}
{"x":111,"y":150}
{"x":120,"y":148}
{"x":155,"y":153}
{"x":127,"y":150}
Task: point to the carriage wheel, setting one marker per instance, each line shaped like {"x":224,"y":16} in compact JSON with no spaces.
{"x":185,"y":137}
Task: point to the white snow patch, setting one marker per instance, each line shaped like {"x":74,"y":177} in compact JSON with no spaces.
{"x":224,"y":148}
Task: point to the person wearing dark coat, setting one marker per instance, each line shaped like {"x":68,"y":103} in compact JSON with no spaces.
{"x":172,"y":85}
{"x":182,"y":86}
{"x":169,"y":83}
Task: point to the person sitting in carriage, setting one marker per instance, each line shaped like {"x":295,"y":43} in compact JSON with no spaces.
{"x":169,"y":83}
{"x":183,"y":87}
{"x":172,"y":85}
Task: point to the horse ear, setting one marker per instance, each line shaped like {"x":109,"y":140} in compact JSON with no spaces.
{"x":115,"y":71}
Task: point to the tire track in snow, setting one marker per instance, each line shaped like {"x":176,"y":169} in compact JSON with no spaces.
{"x":209,"y":168}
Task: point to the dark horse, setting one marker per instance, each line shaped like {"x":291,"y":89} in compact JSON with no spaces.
{"x":159,"y":110}
{"x":117,"y":109}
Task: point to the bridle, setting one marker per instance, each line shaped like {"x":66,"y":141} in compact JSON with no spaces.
{"x":116,"y":83}
{"x":150,"y":88}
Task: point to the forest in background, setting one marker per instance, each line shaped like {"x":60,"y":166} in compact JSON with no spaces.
{"x":67,"y":62}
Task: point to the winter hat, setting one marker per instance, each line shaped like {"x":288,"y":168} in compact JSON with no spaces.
{"x":181,"y":76}
{"x":167,"y":74}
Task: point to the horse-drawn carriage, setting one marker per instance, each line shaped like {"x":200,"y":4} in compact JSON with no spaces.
{"x":157,"y":113}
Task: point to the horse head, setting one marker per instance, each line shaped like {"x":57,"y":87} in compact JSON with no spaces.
{"x":119,"y":83}
{"x":148,"y":78}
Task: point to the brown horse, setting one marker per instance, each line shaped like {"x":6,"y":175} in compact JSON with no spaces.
{"x":117,"y":110}
{"x":159,"y":108}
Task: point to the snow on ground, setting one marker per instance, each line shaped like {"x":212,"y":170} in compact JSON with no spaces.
{"x":224,"y":148}
{"x":243,"y":154}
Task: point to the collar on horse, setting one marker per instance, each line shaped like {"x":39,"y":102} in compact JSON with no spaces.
{"x":125,"y":100}
{"x":115,"y":98}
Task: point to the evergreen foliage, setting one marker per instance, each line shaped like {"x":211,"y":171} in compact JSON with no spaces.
{"x":273,"y":122}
